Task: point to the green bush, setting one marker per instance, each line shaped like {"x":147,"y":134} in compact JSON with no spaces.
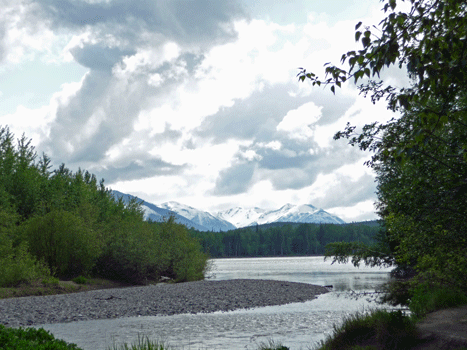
{"x":80,"y":280}
{"x":66,"y":244}
{"x":428,"y":298}
{"x":17,"y":265}
{"x":130,"y":253}
{"x":31,"y":339}
{"x":139,"y":252}
{"x":186,"y":261}
{"x":380,"y":329}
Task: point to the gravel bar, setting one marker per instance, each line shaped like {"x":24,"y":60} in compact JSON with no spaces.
{"x":160,"y":299}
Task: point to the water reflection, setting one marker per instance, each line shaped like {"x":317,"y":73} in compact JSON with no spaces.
{"x":298,"y":325}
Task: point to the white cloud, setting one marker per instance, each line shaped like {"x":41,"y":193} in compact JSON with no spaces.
{"x":197,"y":103}
{"x":298,"y":123}
{"x":361,"y":211}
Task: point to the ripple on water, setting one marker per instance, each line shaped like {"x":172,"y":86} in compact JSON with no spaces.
{"x":298,"y":325}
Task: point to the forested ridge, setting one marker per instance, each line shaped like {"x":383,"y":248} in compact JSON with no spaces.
{"x":283,"y":239}
{"x":60,"y":223}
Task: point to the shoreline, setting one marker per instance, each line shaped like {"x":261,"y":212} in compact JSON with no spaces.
{"x":161,"y":299}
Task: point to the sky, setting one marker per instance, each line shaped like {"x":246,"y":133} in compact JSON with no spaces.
{"x":194,"y":101}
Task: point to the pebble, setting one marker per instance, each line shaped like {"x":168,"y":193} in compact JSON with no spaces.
{"x":152,"y":300}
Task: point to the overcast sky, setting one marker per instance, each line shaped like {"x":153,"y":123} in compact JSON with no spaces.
{"x":192,"y":101}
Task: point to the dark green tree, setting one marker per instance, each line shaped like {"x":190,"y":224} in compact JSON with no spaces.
{"x":420,"y":157}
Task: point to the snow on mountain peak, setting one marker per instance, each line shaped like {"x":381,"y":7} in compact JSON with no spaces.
{"x":236,"y":217}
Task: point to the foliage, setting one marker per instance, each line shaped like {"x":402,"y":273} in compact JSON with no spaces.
{"x":80,"y":280}
{"x":63,"y":241}
{"x":31,"y":339}
{"x":143,"y":343}
{"x":139,"y":252}
{"x":17,"y":265}
{"x":429,"y":297}
{"x":69,"y":223}
{"x":186,"y":262}
{"x":379,"y":329}
{"x":429,"y":39}
{"x":420,"y":157}
{"x":272,"y":345}
{"x":285,"y":240}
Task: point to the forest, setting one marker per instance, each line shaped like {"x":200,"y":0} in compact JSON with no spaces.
{"x":64,"y":224}
{"x":284,"y":239}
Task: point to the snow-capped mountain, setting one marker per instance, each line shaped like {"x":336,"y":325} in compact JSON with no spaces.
{"x":234,"y":217}
{"x":155,"y":213}
{"x":241,"y":217}
{"x":305,"y":213}
{"x":199,"y":217}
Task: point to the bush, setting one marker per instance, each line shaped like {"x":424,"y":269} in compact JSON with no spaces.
{"x":64,"y":242}
{"x":378,"y":330}
{"x":17,"y":265}
{"x":80,"y":280}
{"x":131,"y":253}
{"x":428,"y":298}
{"x":186,"y":261}
{"x":31,"y":339}
{"x":138,"y":252}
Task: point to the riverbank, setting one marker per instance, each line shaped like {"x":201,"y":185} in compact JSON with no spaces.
{"x":152,"y":300}
{"x":440,"y":330}
{"x":54,"y":286}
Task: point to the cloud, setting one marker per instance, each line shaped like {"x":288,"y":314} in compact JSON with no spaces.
{"x":193,"y":101}
{"x":99,"y":57}
{"x":298,"y":123}
{"x":23,"y":34}
{"x":185,"y":21}
{"x":236,"y":180}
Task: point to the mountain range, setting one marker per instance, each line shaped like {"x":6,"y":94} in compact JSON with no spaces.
{"x":232,"y":218}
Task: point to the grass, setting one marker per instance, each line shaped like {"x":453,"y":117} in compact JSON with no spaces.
{"x":272,"y":345}
{"x":40,"y":339}
{"x":143,"y":343}
{"x":377,"y":330}
{"x":427,"y":299}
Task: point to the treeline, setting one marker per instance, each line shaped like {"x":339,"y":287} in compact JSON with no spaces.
{"x":282,"y":240}
{"x":66,"y":224}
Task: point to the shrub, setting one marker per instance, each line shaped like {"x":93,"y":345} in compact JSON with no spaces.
{"x":428,"y":298}
{"x":139,"y":252}
{"x":380,"y":329}
{"x":131,"y":254}
{"x":80,"y":280}
{"x":185,"y":259}
{"x":31,"y":339}
{"x":17,"y":265}
{"x":64,"y":242}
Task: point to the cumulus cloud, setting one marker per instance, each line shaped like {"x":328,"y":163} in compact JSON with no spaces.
{"x":298,"y":123}
{"x":193,"y":100}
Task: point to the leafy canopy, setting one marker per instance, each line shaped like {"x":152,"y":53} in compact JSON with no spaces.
{"x":430,"y":40}
{"x":420,"y":157}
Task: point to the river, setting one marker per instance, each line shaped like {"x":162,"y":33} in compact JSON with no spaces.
{"x":297,"y":325}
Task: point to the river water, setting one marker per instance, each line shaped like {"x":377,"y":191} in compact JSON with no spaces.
{"x":297,"y":325}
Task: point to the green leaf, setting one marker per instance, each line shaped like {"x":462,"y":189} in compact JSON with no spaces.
{"x":358,"y":34}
